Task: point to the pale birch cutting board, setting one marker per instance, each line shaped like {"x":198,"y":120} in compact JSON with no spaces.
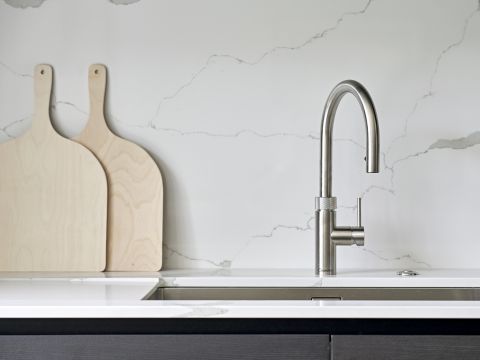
{"x":135,"y":202}
{"x":53,"y":197}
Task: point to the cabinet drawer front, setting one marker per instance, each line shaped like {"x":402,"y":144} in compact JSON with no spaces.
{"x":405,"y":347}
{"x":159,"y":347}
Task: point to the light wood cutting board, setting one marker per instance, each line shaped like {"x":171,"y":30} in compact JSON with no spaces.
{"x":135,"y":202}
{"x":53,"y":197}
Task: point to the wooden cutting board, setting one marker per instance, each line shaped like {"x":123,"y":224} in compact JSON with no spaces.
{"x":53,"y":197}
{"x":135,"y":201}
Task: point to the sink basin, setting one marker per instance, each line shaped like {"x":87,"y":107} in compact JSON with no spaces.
{"x":313,"y":293}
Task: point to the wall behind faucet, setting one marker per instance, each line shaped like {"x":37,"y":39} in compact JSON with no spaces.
{"x":227,"y":97}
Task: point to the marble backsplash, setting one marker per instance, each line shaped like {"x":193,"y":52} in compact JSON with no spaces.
{"x":227,"y":96}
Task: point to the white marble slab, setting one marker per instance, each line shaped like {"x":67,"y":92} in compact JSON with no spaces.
{"x":229,"y":101}
{"x":306,"y":278}
{"x":119,"y":295}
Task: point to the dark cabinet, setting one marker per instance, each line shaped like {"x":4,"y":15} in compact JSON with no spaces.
{"x":164,"y":347}
{"x":405,"y":347}
{"x":239,"y":347}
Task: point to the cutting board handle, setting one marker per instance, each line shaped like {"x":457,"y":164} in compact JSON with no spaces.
{"x":43,"y":79}
{"x":97,"y":83}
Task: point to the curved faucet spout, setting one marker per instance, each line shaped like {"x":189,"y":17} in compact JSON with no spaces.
{"x":327,"y":234}
{"x":373,"y":140}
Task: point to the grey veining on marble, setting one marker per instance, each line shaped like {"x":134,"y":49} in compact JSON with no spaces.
{"x":229,"y":102}
{"x":23,"y":4}
{"x":124,"y":2}
{"x":472,"y":139}
{"x":242,"y":61}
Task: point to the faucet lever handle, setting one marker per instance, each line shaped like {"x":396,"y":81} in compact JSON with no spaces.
{"x":359,"y":212}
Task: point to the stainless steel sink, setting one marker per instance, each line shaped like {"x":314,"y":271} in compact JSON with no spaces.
{"x":312,"y":293}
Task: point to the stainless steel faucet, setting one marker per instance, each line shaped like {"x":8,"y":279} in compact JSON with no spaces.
{"x":327,"y":234}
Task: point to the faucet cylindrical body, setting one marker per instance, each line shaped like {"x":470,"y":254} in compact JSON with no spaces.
{"x":325,"y":220}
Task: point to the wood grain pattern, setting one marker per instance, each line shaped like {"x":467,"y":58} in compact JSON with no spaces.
{"x":135,"y":202}
{"x":53,"y":197}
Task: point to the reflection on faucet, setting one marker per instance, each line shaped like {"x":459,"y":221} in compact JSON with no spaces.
{"x":327,"y":234}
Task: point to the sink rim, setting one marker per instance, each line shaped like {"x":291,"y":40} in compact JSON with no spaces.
{"x":279,"y":293}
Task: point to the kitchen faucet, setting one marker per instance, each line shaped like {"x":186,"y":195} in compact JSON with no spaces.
{"x":327,"y":234}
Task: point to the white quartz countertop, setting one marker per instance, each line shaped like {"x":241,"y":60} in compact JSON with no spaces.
{"x":119,"y":295}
